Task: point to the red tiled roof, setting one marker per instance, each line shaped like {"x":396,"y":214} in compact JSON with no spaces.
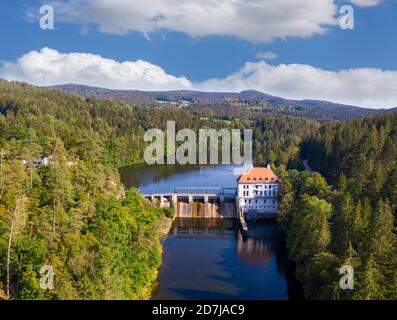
{"x":258,"y":175}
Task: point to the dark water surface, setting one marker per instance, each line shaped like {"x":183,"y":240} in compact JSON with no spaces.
{"x":208,"y":258}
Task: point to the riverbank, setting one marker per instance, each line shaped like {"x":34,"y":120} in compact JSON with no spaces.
{"x":162,"y":229}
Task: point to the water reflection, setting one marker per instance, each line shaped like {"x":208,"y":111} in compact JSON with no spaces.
{"x":260,"y":245}
{"x":204,"y":228}
{"x":208,"y":259}
{"x":166,"y":178}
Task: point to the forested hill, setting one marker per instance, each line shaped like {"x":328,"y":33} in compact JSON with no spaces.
{"x":363,"y":149}
{"x":72,"y":214}
{"x":350,"y":219}
{"x":112,"y":132}
{"x":215,"y":101}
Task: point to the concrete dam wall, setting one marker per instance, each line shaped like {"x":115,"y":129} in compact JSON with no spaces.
{"x":205,"y":210}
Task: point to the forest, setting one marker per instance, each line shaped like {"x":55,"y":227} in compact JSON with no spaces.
{"x":226,"y":103}
{"x":75,"y":215}
{"x":349,"y":217}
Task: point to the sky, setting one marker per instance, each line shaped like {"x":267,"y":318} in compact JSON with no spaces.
{"x":289,"y":48}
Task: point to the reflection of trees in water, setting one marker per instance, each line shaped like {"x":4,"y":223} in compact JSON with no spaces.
{"x":264,"y":241}
{"x":135,"y":175}
{"x":286,"y":268}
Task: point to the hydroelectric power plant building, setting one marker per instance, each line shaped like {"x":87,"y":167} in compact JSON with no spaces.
{"x":256,"y":197}
{"x":257,"y":193}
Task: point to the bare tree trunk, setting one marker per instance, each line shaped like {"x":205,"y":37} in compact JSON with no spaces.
{"x":19,"y":272}
{"x":9,"y":246}
{"x":1,"y":192}
{"x":2,"y":187}
{"x":31,"y":179}
{"x":1,"y":169}
{"x":56,"y":186}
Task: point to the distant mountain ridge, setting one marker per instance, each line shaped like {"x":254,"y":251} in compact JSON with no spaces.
{"x":256,"y":100}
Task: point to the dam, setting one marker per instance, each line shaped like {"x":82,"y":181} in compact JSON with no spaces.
{"x":196,"y":202}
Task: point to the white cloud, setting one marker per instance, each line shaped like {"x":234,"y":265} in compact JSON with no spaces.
{"x":366,"y":3}
{"x":363,"y":87}
{"x":49,"y":67}
{"x":266,"y":55}
{"x":252,"y":20}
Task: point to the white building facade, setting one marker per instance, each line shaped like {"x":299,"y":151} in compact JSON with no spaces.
{"x":257,"y":193}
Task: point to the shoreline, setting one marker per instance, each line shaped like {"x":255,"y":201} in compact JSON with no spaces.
{"x":163,"y":229}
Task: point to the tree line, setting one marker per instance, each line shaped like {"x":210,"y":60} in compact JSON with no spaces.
{"x":348,"y":217}
{"x":73,"y":213}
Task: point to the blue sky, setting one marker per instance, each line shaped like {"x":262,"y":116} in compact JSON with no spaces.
{"x":205,"y":56}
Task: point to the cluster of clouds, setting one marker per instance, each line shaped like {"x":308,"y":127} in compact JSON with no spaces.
{"x":367,"y":87}
{"x":266,"y":55}
{"x":366,"y":3}
{"x":251,"y":20}
{"x":51,"y":67}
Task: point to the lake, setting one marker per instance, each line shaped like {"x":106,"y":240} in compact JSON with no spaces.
{"x":208,"y":258}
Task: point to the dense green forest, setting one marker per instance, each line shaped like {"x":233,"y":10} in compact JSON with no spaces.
{"x":75,"y":215}
{"x":226,"y":103}
{"x":349,"y":219}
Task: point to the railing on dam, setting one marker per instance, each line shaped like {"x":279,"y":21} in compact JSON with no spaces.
{"x":207,"y":191}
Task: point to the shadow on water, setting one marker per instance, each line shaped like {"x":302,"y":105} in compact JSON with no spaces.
{"x":208,"y":259}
